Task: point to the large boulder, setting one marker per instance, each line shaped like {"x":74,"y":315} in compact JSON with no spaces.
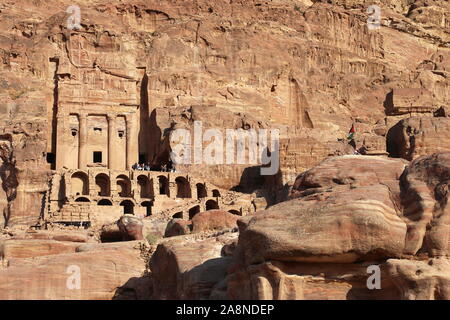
{"x":425,"y":196}
{"x":178,"y":227}
{"x":345,"y":226}
{"x":213,"y":220}
{"x":344,"y":210}
{"x":131,"y":228}
{"x":417,"y":136}
{"x":183,"y":268}
{"x":101,"y":273}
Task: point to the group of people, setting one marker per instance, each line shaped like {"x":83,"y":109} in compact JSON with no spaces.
{"x":141,"y":167}
{"x":169,"y":167}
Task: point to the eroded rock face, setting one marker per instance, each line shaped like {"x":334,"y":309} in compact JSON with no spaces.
{"x":345,"y":218}
{"x":345,"y":211}
{"x":101,"y":272}
{"x":421,"y":280}
{"x":419,"y":136}
{"x":187,"y":269}
{"x":424,"y":199}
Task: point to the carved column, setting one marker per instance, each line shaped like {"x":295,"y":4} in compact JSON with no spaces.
{"x":61,"y":140}
{"x":112,"y":142}
{"x":131,"y":142}
{"x":82,"y":152}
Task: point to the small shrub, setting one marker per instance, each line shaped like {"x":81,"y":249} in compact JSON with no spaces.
{"x":152,"y":239}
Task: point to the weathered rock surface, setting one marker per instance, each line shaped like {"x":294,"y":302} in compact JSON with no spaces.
{"x":421,"y":280}
{"x":188,"y":269}
{"x":34,"y":248}
{"x":345,"y":218}
{"x":419,"y":136}
{"x":101,"y":274}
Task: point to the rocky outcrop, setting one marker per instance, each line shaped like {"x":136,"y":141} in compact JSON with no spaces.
{"x":88,"y":275}
{"x":185,"y":268}
{"x":345,"y":218}
{"x":418,"y":136}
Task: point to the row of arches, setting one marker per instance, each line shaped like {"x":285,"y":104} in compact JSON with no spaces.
{"x":128,"y":205}
{"x":80,"y":186}
{"x":210,"y":205}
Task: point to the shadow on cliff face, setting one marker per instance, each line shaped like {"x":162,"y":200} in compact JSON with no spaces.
{"x":8,"y":176}
{"x":270,"y":187}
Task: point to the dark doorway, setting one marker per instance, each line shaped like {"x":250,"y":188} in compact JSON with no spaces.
{"x":148,"y":207}
{"x":128,"y":207}
{"x":211,"y":205}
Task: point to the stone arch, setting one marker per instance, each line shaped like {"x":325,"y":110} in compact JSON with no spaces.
{"x":183,"y":188}
{"x":201,"y":191}
{"x":193,"y":211}
{"x":148,"y":206}
{"x":103,"y":185}
{"x":236,"y":212}
{"x":123,"y":186}
{"x":216,"y":193}
{"x":128,"y":207}
{"x":211,"y":205}
{"x":104,"y":202}
{"x":79,"y":183}
{"x":82,"y":199}
{"x":145,"y":187}
{"x":163,"y":183}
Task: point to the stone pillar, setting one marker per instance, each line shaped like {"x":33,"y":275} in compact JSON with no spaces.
{"x":82,"y":152}
{"x":132,"y":157}
{"x":112,"y":142}
{"x":61,"y":140}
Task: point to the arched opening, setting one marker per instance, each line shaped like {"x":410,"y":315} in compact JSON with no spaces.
{"x":236,"y":212}
{"x":145,"y":187}
{"x":201,"y":191}
{"x":103,"y":185}
{"x":216,"y":193}
{"x":124,"y":186}
{"x":178,"y":215}
{"x":148,"y":207}
{"x":82,"y":199}
{"x":193,"y":211}
{"x":211,"y":205}
{"x":104,"y":202}
{"x":128,"y":207}
{"x":183,"y":188}
{"x":163,"y":185}
{"x":80,"y":184}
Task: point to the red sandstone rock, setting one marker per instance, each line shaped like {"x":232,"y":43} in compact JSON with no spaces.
{"x":418,"y":136}
{"x":421,"y":280}
{"x":213,"y":220}
{"x":178,"y":227}
{"x":34,"y":248}
{"x":187,"y":270}
{"x":102,"y":273}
